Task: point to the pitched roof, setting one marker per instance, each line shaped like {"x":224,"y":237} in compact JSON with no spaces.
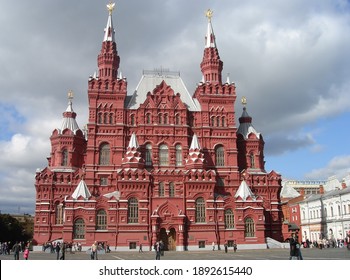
{"x":81,"y":191}
{"x":244,"y":191}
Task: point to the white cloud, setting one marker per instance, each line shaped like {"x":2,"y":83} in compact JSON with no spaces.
{"x":338,"y":166}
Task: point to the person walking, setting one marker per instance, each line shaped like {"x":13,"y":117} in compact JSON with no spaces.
{"x":63,"y":251}
{"x":157,"y":248}
{"x":16,"y":248}
{"x":225,"y":245}
{"x":58,"y":249}
{"x":26,"y":253}
{"x":94,"y":251}
{"x":235,"y":246}
{"x":293,"y":247}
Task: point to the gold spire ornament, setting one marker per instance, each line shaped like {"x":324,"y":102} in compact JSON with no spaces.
{"x":209,"y":14}
{"x":70,"y":94}
{"x":244,"y":101}
{"x":110,"y":7}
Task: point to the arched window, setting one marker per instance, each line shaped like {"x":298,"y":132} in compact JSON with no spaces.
{"x":178,"y":155}
{"x":200,"y":210}
{"x":148,"y":155}
{"x":165,"y":119}
{"x":148,"y":118}
{"x":111,"y":121}
{"x":65,"y":157}
{"x":160,"y":119}
{"x":229,"y":219}
{"x":59,"y":214}
{"x":104,"y":154}
{"x":171,"y":189}
{"x":163,"y":155}
{"x":223,"y":122}
{"x":105,"y":118}
{"x":101,"y":220}
{"x":100,"y":119}
{"x":133,"y":211}
{"x":218,"y":121}
{"x":161,"y":189}
{"x":212,"y":121}
{"x":132,"y":119}
{"x":219,"y":156}
{"x":252,"y":160}
{"x":177,"y":119}
{"x":332,"y":211}
{"x":249,"y":228}
{"x":79,"y":229}
{"x":325,"y":212}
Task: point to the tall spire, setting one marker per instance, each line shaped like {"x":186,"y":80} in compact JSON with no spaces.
{"x":211,"y":64}
{"x":69,"y":116}
{"x":109,"y":30}
{"x":108,"y":59}
{"x":210,"y":38}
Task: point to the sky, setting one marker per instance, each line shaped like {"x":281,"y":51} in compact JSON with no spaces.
{"x":290,"y":59}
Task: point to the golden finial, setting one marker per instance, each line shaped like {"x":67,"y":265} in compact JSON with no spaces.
{"x":70,"y":94}
{"x":244,"y":101}
{"x":209,"y":14}
{"x":110,"y":7}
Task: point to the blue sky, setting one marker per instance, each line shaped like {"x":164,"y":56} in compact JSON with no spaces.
{"x":290,"y":59}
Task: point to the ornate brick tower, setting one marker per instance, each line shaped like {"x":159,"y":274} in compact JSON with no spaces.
{"x":159,"y":164}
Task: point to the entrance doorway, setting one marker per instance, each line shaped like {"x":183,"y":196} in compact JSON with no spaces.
{"x":168,"y":239}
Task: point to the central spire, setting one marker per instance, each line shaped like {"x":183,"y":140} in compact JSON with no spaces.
{"x":211,"y":65}
{"x":109,"y":30}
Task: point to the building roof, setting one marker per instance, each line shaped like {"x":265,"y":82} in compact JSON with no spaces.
{"x":81,"y":191}
{"x":151,"y":79}
{"x":109,"y":30}
{"x":244,"y":191}
{"x":245,"y":127}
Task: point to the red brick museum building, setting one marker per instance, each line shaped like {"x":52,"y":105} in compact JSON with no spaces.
{"x":158,"y":164}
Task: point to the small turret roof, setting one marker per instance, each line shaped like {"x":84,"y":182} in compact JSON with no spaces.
{"x":81,"y":191}
{"x":69,"y":116}
{"x":210,"y":37}
{"x":109,"y":30}
{"x":195,"y":144}
{"x":244,"y":191}
{"x":133,"y":141}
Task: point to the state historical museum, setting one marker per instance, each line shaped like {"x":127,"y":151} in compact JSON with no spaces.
{"x":160,"y":164}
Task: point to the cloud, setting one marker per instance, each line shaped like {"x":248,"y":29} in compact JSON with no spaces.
{"x":338,"y":166}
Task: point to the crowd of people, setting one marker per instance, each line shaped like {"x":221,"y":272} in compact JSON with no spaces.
{"x":16,"y":248}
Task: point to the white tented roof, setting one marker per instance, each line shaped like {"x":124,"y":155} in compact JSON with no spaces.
{"x":151,"y":79}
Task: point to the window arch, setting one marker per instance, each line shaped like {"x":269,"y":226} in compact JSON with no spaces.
{"x":148,"y":118}
{"x":161,"y":189}
{"x":200,"y":210}
{"x":249,"y":227}
{"x":59,"y":209}
{"x":177,"y":119}
{"x":101,"y":220}
{"x":229,"y":219}
{"x":178,"y":155}
{"x":163,"y":155}
{"x":79,"y":229}
{"x":104,"y":154}
{"x":133,"y":211}
{"x":171,"y":189}
{"x":219,"y":156}
{"x":148,"y":155}
{"x":64,"y":157}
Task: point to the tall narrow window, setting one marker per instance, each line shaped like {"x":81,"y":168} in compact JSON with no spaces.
{"x":148,"y":155}
{"x":148,"y":118}
{"x":200,"y":210}
{"x":101,"y":220}
{"x":160,"y":119}
{"x":79,"y":229}
{"x":229,"y":219}
{"x":65,"y":157}
{"x":177,"y":119}
{"x":105,"y":118}
{"x":59,"y":214}
{"x":171,"y":189}
{"x":111,"y":121}
{"x":178,"y":155}
{"x":220,"y":156}
{"x":223,"y":122}
{"x":212,"y":121}
{"x":104,"y":154}
{"x":249,"y":228}
{"x":161,"y":189}
{"x":163,"y":155}
{"x":133,"y":211}
{"x":132,"y":119}
{"x":252,"y":160}
{"x":165,"y":118}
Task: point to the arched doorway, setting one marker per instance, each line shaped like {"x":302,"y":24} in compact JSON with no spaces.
{"x":168,"y":238}
{"x":172,"y":240}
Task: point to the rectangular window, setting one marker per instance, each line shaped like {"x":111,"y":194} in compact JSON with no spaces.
{"x":103,"y":181}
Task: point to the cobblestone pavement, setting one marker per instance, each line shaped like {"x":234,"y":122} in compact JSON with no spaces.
{"x":266,"y":254}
